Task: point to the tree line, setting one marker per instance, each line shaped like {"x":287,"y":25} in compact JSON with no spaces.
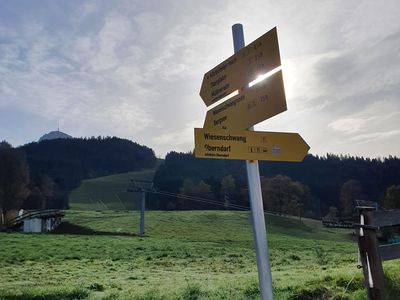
{"x":314,"y":188}
{"x":41,"y":174}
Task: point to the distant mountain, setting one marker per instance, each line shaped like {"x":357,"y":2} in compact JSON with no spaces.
{"x":52,"y":135}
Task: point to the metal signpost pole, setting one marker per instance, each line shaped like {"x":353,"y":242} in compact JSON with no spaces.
{"x":257,"y":210}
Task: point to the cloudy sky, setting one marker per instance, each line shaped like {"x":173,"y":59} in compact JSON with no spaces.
{"x":133,"y":69}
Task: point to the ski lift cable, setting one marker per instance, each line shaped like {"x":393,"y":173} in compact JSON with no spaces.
{"x":208,"y":201}
{"x":203,"y":199}
{"x":199,"y":199}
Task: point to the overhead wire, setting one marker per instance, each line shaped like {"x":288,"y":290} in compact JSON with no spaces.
{"x":197,"y":199}
{"x":203,"y":200}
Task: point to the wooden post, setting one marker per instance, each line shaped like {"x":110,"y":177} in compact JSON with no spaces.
{"x":375,"y":262}
{"x":370,"y":259}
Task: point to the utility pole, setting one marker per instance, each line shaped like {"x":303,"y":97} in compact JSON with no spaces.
{"x":142,"y":187}
{"x":142,"y":208}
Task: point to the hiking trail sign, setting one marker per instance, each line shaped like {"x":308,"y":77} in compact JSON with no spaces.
{"x":250,"y":145}
{"x":228,"y":127}
{"x":259,"y":57}
{"x":254,"y":105}
{"x":250,"y":106}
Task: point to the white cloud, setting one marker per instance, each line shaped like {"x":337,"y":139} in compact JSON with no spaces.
{"x":374,"y":136}
{"x":349,"y":125}
{"x":134,"y":68}
{"x":380,"y":114}
{"x":115,"y":30}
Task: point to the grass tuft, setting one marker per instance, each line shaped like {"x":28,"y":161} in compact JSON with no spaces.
{"x":191,"y":292}
{"x":321,"y":255}
{"x":252,"y":291}
{"x":392,"y":287}
{"x":312,"y":294}
{"x":152,"y":294}
{"x":294,"y":257}
{"x":98,"y":287}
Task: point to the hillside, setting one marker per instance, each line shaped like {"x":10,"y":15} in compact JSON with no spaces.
{"x":108,"y":192}
{"x":77,"y":158}
{"x":184,"y":255}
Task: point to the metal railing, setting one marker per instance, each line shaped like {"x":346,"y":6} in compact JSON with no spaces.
{"x":31,"y":214}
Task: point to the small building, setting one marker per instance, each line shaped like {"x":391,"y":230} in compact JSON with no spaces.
{"x":52,"y":135}
{"x":38,"y":221}
{"x":32,"y":225}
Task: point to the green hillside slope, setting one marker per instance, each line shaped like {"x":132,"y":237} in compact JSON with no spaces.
{"x":184,"y":255}
{"x":108,"y":192}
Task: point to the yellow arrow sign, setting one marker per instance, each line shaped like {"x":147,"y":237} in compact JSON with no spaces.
{"x":256,"y":104}
{"x":249,"y":145}
{"x":257,"y":58}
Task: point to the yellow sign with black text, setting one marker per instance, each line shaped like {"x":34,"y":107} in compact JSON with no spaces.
{"x":249,"y":145}
{"x":254,"y":105}
{"x":257,"y":58}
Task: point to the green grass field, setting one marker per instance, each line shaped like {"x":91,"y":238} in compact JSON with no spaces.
{"x":184,"y":255}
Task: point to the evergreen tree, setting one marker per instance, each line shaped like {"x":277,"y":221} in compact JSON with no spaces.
{"x":392,"y":197}
{"x":349,"y":193}
{"x":227,"y":188}
{"x":14,"y":179}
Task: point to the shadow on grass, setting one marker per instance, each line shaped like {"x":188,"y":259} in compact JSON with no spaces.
{"x":69,"y":228}
{"x":74,"y":294}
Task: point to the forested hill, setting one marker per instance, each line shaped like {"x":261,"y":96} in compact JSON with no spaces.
{"x":60,"y":164}
{"x":315,"y":185}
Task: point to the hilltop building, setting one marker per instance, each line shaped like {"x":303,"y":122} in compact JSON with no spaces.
{"x":52,"y":135}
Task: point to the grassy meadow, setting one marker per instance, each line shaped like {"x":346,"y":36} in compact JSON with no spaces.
{"x":186,"y":255}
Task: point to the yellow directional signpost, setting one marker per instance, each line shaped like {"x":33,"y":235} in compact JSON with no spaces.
{"x":256,"y":104}
{"x":225,"y":134}
{"x":250,"y":145}
{"x":259,"y":57}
